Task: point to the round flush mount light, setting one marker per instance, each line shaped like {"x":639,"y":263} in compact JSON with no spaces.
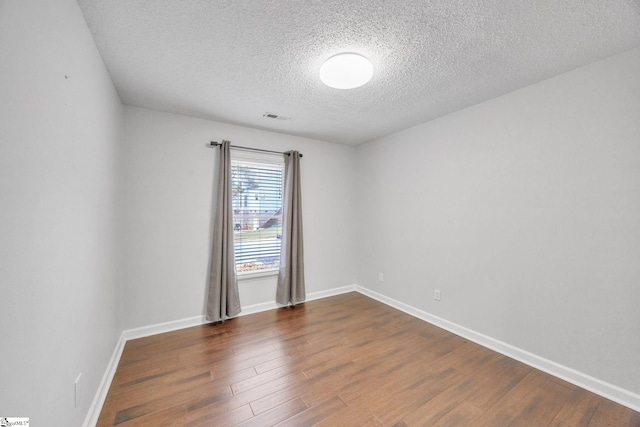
{"x":346,"y":71}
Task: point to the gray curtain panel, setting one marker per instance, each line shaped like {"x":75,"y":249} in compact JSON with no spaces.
{"x":291,"y":275}
{"x":223,"y":301}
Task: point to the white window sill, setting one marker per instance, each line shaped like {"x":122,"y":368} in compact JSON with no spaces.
{"x":257,"y":275}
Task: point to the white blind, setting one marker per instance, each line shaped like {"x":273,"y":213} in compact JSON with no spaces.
{"x":257,"y":214}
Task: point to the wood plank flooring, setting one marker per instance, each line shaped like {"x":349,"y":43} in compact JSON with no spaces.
{"x":347,"y":360}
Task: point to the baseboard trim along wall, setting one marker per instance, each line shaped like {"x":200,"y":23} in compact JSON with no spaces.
{"x":602,"y":388}
{"x":257,"y":308}
{"x":103,"y":388}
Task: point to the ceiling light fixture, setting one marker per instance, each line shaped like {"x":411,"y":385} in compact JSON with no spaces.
{"x":346,"y":71}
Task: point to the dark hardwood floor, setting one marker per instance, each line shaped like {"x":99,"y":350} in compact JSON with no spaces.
{"x":347,"y":360}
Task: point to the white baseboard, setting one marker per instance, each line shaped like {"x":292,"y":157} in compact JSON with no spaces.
{"x":602,"y":388}
{"x":103,"y":388}
{"x":257,"y":308}
{"x":160,"y":328}
{"x":595,"y":385}
{"x":330,"y":292}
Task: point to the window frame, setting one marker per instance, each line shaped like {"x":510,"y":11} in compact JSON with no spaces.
{"x":257,"y":158}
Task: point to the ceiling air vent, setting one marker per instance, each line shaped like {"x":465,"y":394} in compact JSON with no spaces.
{"x":275,"y":116}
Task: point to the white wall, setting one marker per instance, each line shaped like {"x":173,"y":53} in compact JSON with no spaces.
{"x":170,"y":174}
{"x":525,"y":212}
{"x":60,"y":141}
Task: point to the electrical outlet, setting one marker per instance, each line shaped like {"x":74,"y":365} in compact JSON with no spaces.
{"x":380,"y":277}
{"x":436,"y":294}
{"x":76,"y":389}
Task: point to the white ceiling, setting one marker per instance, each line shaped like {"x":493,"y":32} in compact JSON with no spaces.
{"x":234,"y":60}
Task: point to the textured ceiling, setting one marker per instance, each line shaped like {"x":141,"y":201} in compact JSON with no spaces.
{"x":234,"y":60}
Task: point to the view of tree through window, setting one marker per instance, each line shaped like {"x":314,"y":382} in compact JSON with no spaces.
{"x":257,"y":215}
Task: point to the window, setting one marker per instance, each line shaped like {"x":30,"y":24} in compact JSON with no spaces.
{"x":257,"y":187}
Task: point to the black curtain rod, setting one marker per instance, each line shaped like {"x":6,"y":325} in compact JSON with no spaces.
{"x":218,"y":144}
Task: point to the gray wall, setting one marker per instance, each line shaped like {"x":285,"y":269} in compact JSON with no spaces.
{"x":169,"y":178}
{"x":60,"y":142}
{"x":525,"y":212}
